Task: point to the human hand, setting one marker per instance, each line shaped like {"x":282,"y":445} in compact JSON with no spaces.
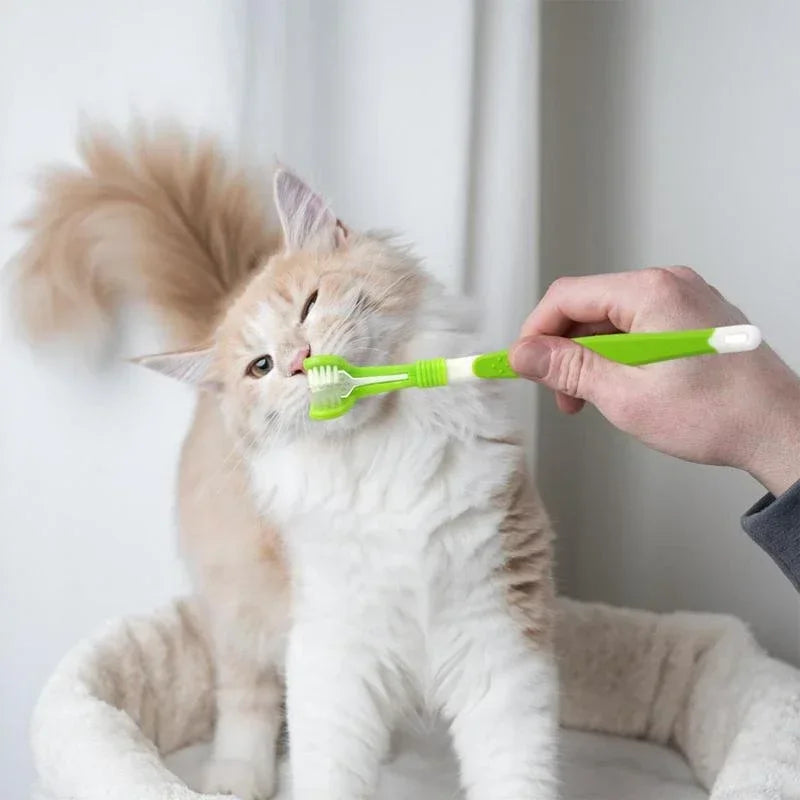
{"x":740,"y":410}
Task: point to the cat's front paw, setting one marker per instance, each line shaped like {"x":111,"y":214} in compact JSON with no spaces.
{"x":245,"y":780}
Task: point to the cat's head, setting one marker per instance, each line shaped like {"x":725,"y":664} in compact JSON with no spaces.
{"x":330,"y":290}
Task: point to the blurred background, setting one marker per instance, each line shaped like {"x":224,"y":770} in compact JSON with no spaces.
{"x":512,"y":142}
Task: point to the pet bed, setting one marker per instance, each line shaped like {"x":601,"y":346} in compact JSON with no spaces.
{"x":680,"y":706}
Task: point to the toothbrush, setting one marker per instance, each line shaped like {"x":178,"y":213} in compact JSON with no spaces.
{"x":336,"y":384}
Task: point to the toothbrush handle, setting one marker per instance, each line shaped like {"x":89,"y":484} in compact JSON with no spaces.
{"x":634,"y":349}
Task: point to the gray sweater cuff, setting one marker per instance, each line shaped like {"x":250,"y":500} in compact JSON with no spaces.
{"x":774,"y":524}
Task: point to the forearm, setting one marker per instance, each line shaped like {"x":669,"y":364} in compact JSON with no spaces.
{"x":774,"y":522}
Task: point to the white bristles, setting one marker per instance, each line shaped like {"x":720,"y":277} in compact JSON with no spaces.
{"x":321,"y":378}
{"x":328,"y":385}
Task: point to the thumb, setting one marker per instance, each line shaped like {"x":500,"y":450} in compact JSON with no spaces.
{"x":564,"y":366}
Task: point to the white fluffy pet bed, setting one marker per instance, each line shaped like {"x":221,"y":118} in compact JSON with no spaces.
{"x":703,"y":712}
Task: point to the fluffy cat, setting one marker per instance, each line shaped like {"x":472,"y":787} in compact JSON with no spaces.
{"x":392,"y":562}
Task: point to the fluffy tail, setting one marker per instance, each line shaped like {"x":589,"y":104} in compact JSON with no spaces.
{"x":158,"y":218}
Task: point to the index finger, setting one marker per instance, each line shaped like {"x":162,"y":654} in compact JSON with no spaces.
{"x":614,"y":298}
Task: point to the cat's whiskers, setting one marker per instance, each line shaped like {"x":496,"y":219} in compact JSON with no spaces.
{"x":378,"y":299}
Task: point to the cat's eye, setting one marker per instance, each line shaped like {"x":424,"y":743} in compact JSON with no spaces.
{"x":259,"y":367}
{"x":312,"y":298}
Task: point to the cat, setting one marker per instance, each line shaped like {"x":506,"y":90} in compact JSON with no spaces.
{"x":392,"y":562}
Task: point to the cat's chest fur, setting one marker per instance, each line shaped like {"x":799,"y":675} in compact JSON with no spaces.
{"x":391,"y":508}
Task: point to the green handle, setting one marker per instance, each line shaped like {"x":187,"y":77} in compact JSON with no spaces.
{"x":493,"y":365}
{"x":633,"y":349}
{"x":636,"y":349}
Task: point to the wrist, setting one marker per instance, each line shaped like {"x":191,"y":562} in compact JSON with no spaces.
{"x":775,"y":459}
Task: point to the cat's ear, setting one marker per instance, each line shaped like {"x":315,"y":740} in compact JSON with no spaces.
{"x":189,"y":366}
{"x":306,"y":219}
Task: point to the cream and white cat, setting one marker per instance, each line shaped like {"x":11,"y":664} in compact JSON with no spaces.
{"x":389,"y":563}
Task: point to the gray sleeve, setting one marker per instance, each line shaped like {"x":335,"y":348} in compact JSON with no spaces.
{"x":774,"y":524}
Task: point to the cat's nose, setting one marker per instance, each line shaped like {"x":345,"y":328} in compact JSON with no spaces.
{"x":296,"y":364}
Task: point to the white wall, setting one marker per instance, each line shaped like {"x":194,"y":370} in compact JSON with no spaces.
{"x":406,"y":114}
{"x":87,"y":455}
{"x":670,"y":136}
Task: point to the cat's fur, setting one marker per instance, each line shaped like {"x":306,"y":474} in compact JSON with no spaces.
{"x":403,"y":541}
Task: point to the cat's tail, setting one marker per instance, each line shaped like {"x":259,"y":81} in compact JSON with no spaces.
{"x":158,"y":218}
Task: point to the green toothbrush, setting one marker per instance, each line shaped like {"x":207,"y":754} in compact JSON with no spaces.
{"x":336,"y":384}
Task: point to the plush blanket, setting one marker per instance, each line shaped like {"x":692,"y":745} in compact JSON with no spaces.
{"x":594,"y":766}
{"x":694,"y":684}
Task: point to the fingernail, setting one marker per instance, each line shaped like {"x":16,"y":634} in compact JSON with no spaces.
{"x":531,"y":358}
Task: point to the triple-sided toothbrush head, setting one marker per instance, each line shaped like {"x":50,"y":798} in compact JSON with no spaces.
{"x":331,"y":387}
{"x":335,"y":384}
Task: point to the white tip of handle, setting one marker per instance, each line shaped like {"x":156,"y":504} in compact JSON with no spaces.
{"x":735,"y":338}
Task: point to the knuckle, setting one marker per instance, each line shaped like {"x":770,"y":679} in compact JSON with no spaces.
{"x":686,"y":273}
{"x":662,"y":283}
{"x":559,"y":285}
{"x":658,"y":277}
